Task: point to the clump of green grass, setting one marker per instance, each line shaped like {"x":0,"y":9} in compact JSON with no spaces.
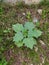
{"x":3,"y":61}
{"x":44,"y":2}
{"x":45,"y":13}
{"x":1,"y":10}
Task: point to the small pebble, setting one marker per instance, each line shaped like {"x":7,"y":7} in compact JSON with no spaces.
{"x":42,"y":42}
{"x":36,"y":49}
{"x":23,"y":14}
{"x":40,"y":64}
{"x":39,"y":11}
{"x":31,"y":64}
{"x":43,"y":60}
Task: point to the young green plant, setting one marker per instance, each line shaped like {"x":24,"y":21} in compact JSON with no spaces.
{"x":28,"y":16}
{"x":26,"y":34}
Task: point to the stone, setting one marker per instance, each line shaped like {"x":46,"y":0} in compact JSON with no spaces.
{"x":36,"y":49}
{"x":39,"y":11}
{"x":26,"y":1}
{"x":42,"y":43}
{"x":24,"y":14}
{"x":31,"y":64}
{"x":32,"y":1}
{"x":40,"y":64}
{"x":10,"y":1}
{"x":43,"y":60}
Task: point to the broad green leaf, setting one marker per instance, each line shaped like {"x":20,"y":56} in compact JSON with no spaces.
{"x":18,"y":27}
{"x":29,"y":42}
{"x":34,"y":33}
{"x":29,"y":25}
{"x":19,"y":44}
{"x":18,"y":37}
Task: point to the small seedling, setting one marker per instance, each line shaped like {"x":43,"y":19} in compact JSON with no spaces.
{"x":26,"y":34}
{"x":28,"y":16}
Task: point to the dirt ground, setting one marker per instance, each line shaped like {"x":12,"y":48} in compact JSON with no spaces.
{"x":24,"y":56}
